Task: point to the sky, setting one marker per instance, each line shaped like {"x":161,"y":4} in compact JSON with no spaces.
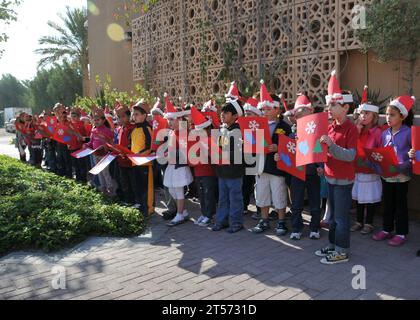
{"x":18,"y":58}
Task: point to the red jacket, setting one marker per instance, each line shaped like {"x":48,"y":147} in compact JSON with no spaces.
{"x":78,"y":127}
{"x":123,"y":139}
{"x":345,"y":136}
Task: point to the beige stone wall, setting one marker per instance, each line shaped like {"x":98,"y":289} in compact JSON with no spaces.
{"x":105,"y":55}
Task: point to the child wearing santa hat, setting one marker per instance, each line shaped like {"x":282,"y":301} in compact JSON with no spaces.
{"x":204,"y":174}
{"x":177,"y":174}
{"x":271,"y":188}
{"x":339,"y":172}
{"x":399,"y":117}
{"x":303,"y":107}
{"x":230,"y":173}
{"x":367,"y":188}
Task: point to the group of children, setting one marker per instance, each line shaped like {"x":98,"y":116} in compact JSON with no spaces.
{"x":224,"y":188}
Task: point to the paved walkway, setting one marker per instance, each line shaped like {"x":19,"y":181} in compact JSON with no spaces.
{"x":189,"y":262}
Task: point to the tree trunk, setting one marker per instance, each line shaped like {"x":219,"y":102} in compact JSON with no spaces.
{"x":86,"y":81}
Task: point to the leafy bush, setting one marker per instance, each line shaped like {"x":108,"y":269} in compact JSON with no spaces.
{"x":39,"y":210}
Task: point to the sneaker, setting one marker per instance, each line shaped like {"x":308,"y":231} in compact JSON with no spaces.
{"x":295,"y":235}
{"x":205,"y":222}
{"x":356,"y":227}
{"x":261,"y":226}
{"x":281,"y":229}
{"x":234,"y":229}
{"x":367,"y":228}
{"x":179,"y":218}
{"x":186,"y":215}
{"x":314,"y":235}
{"x":198,"y":221}
{"x":335,"y":257}
{"x":396,"y":241}
{"x":256,"y":216}
{"x":324,"y":252}
{"x":381,"y":235}
{"x":218,"y":227}
{"x":168,"y":215}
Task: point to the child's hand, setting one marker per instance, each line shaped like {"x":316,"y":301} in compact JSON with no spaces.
{"x":320,"y":171}
{"x":272,"y":148}
{"x":327,"y":140}
{"x":412,"y":154}
{"x":276,"y":157}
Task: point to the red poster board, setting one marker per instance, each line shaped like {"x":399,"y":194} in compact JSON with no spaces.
{"x":249,"y":127}
{"x":384,"y":161}
{"x":287,"y":158}
{"x":63,"y":134}
{"x":159,"y":123}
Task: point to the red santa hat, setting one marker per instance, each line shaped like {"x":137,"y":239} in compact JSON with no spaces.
{"x":364,"y":106}
{"x":233,"y":93}
{"x":209,"y":106}
{"x":265,"y":99}
{"x":252,"y":106}
{"x":171,"y":112}
{"x":157,"y":108}
{"x":404,"y":104}
{"x":283,"y":100}
{"x":335,"y":93}
{"x":199,"y":120}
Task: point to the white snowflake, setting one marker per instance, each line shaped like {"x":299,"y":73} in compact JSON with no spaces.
{"x":60,"y":132}
{"x":377,"y":157}
{"x":291,"y":147}
{"x":254,"y":125}
{"x":310,"y":127}
{"x":155,"y":125}
{"x":51,"y":121}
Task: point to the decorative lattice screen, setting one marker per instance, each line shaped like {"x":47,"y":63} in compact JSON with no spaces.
{"x":303,"y":38}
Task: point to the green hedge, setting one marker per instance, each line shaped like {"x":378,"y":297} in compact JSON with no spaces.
{"x":39,"y":210}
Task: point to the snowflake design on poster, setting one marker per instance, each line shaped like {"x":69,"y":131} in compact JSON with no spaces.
{"x":60,"y":132}
{"x":155,"y":125}
{"x":291,"y":147}
{"x":254,"y":125}
{"x":51,"y":121}
{"x":377,"y":157}
{"x":310,"y":127}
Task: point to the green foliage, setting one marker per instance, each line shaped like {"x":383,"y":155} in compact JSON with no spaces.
{"x":40,"y":210}
{"x":12,"y":92}
{"x":128,"y":9}
{"x":393,"y":33}
{"x":7,"y":15}
{"x":106,"y":95}
{"x":61,"y":83}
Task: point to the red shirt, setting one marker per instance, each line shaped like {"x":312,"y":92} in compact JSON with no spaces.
{"x":345,"y":136}
{"x":78,"y":127}
{"x":123,"y":134}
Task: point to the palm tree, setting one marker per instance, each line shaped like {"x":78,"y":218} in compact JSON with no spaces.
{"x":70,"y":44}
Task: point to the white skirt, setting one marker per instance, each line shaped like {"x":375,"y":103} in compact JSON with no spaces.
{"x":367,"y":188}
{"x":175,"y":178}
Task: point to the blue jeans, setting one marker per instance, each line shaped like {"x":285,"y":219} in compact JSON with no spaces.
{"x":312,"y":184}
{"x":231,"y":205}
{"x":340,"y":204}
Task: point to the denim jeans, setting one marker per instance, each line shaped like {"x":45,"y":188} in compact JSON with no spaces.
{"x":297,"y":190}
{"x":207,"y":188}
{"x":231,"y":206}
{"x":340,"y":200}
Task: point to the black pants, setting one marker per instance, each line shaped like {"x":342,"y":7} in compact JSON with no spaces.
{"x":64,"y":167}
{"x":125,"y":184}
{"x":207,"y":187}
{"x":247,"y":189}
{"x":396,"y":208}
{"x":80,"y":168}
{"x":36,"y":154}
{"x":139,"y":180}
{"x":370,"y":212}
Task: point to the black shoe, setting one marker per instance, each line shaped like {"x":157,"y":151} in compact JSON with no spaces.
{"x":281,"y":229}
{"x":273,"y":215}
{"x":218,"y":227}
{"x":168,"y":215}
{"x":261,"y":226}
{"x":288,"y":214}
{"x":256,"y":216}
{"x":234,"y":229}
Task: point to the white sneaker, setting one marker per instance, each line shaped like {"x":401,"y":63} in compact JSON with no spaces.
{"x":185,"y":214}
{"x":198,"y":221}
{"x":205,"y":222}
{"x":178,"y":218}
{"x":314,"y":235}
{"x":295,"y":235}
